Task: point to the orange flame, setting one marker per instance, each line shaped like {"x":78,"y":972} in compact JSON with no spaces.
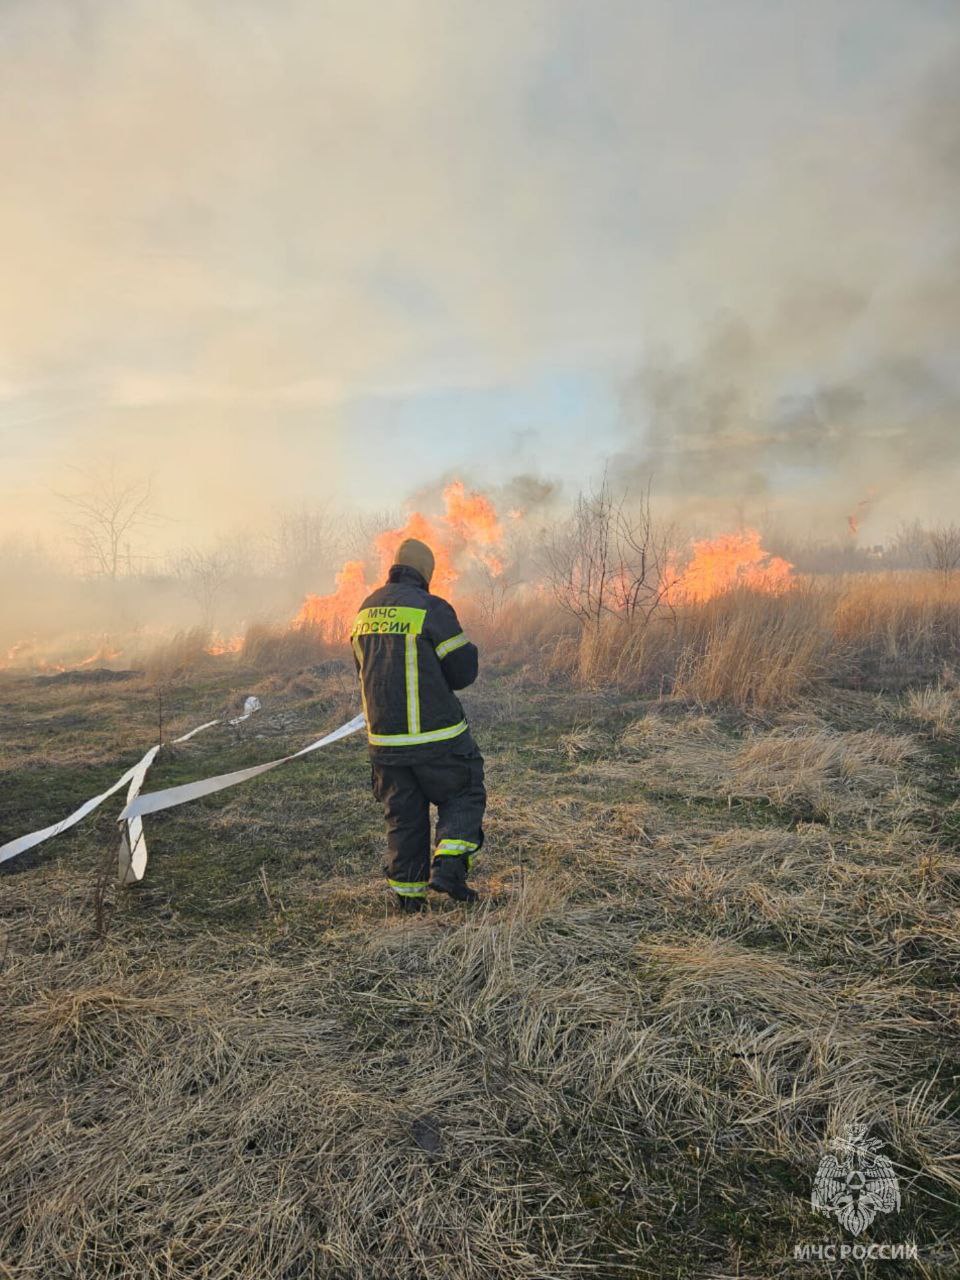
{"x":218,"y":646}
{"x":860,"y":510}
{"x":468,"y":530}
{"x":332,"y":613}
{"x":104,"y":654}
{"x":16,"y":655}
{"x":445,"y":573}
{"x":724,"y":563}
{"x":473,"y":517}
{"x":26,"y":656}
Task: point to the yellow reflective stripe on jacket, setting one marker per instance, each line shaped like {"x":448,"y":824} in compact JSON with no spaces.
{"x":413,"y":685}
{"x":448,"y":646}
{"x":413,"y":739}
{"x":409,"y":888}
{"x":388,"y":620}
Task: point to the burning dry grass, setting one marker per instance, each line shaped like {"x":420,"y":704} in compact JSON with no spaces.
{"x":752,"y":650}
{"x":756,"y":649}
{"x":746,"y":648}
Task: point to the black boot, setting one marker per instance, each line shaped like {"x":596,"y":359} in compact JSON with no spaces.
{"x":449,"y":875}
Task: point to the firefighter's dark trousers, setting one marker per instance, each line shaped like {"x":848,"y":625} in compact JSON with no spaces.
{"x":454,"y":783}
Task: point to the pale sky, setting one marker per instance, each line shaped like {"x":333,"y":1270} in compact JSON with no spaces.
{"x":277,"y":252}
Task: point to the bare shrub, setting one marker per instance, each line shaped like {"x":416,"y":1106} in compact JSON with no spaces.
{"x":204,"y":575}
{"x":306,"y":539}
{"x":608,"y":559}
{"x":943,"y":548}
{"x":908,"y":547}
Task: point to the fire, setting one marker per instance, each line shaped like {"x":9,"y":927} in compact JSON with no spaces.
{"x":106,"y":653}
{"x":861,"y":510}
{"x":445,"y":573}
{"x":724,"y":563}
{"x":469,"y":530}
{"x":473,"y":517}
{"x":27,"y":655}
{"x":219,"y":646}
{"x":16,"y":655}
{"x":332,"y":613}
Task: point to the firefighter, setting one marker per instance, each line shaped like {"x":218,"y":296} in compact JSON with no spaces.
{"x":411,"y":655}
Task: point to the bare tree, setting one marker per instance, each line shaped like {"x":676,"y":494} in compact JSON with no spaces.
{"x":491,"y":591}
{"x":608,"y":558}
{"x":909,"y":547}
{"x":205,"y":575}
{"x":306,"y":539}
{"x":105,"y":517}
{"x":943,"y":548}
{"x":360,"y":533}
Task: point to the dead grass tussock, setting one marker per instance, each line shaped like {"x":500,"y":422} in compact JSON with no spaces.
{"x":187,"y":652}
{"x":935,"y":707}
{"x":837,"y":776}
{"x":588,"y":739}
{"x":898,"y":615}
{"x":287,"y":648}
{"x":753,"y":650}
{"x":654,"y":732}
{"x":718,"y":972}
{"x":783,"y":766}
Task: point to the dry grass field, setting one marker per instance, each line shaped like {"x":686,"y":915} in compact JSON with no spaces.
{"x":715,"y":927}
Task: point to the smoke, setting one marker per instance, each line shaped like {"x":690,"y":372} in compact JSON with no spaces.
{"x":529,"y":495}
{"x":827,"y":382}
{"x":204,"y":208}
{"x":226,"y":226}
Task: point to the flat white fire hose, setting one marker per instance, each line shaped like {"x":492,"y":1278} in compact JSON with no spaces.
{"x":154,"y":801}
{"x":133,"y":847}
{"x":135,"y":776}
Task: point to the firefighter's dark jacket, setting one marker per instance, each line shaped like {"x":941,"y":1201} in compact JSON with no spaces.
{"x":411,"y":654}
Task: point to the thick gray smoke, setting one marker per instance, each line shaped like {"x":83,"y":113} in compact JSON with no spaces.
{"x":841,"y":385}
